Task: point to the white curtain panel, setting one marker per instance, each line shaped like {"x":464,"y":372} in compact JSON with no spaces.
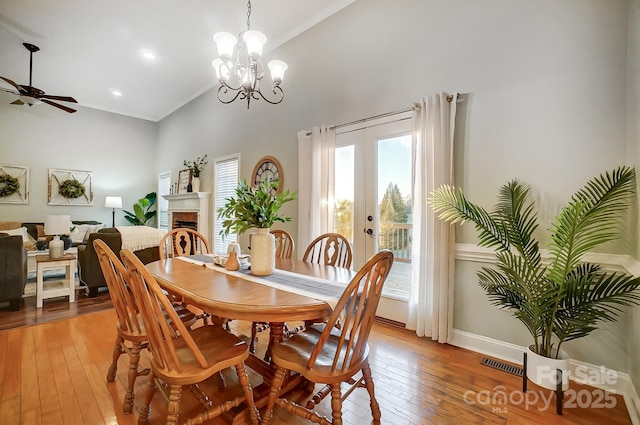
{"x":316,"y":175}
{"x":433,"y":243}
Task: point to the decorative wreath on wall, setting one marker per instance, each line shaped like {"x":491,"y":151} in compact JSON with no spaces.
{"x":71,"y":189}
{"x":11,"y":185}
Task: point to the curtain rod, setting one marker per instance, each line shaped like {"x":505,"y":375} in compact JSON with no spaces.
{"x":387,"y":114}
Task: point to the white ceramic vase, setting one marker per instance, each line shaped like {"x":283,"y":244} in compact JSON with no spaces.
{"x":195,"y":184}
{"x":263,"y":253}
{"x":542,"y":370}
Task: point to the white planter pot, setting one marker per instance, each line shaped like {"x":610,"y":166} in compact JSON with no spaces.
{"x":543,"y":370}
{"x":263,"y":253}
{"x":195,"y":184}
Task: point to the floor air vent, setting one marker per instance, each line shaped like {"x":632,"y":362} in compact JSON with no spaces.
{"x":497,"y":364}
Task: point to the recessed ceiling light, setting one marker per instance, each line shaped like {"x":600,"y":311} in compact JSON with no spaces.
{"x":147,"y":54}
{"x":116,"y":93}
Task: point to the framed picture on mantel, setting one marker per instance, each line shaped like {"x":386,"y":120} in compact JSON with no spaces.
{"x":184,"y":180}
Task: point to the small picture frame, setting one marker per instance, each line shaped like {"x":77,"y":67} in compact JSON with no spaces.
{"x":184,"y":180}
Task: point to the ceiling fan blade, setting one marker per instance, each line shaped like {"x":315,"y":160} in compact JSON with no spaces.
{"x":20,"y":89}
{"x":17,"y":102}
{"x":63,"y":98}
{"x":57,"y":105}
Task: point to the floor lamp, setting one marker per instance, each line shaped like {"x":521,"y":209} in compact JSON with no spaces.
{"x":113,"y":202}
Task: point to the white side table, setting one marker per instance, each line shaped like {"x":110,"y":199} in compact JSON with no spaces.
{"x":66,"y":287}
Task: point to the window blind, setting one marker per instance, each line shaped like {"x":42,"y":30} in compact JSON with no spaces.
{"x":164,"y":185}
{"x":226,"y":181}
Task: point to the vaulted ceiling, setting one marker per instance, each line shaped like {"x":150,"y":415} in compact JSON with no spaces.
{"x":89,"y":49}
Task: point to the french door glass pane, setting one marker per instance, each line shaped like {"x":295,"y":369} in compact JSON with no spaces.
{"x":394,"y":210}
{"x":344,"y":191}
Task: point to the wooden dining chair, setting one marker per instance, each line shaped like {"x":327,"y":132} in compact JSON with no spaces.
{"x":131,"y":337}
{"x":331,"y":249}
{"x":327,"y":355}
{"x":182,"y":241}
{"x":284,"y":244}
{"x":181,"y":356}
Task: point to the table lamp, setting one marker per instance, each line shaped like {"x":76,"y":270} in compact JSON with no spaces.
{"x":56,"y":225}
{"x":113,"y":202}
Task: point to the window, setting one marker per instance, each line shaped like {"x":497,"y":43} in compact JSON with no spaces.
{"x":226,"y":171}
{"x":164,"y":186}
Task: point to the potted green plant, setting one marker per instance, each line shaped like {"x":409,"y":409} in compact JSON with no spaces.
{"x":559,"y":298}
{"x":256,"y":207}
{"x":196,"y":168}
{"x":142,"y":210}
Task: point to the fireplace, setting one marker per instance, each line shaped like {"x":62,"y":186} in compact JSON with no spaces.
{"x":183,"y":220}
{"x":190,"y":210}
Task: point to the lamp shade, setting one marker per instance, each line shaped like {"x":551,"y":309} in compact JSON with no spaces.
{"x":57,"y":224}
{"x":113,"y":202}
{"x":225,"y":42}
{"x":255,"y":41}
{"x":277,"y":68}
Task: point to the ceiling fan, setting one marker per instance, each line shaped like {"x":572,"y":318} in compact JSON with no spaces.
{"x":30,"y":95}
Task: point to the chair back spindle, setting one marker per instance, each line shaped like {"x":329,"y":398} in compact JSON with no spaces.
{"x":116,"y":277}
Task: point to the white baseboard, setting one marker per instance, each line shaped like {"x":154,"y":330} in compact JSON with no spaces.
{"x":581,"y":372}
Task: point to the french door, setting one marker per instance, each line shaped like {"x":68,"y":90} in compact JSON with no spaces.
{"x":373,"y":200}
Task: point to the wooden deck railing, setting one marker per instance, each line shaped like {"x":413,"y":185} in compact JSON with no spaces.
{"x":397,"y":238}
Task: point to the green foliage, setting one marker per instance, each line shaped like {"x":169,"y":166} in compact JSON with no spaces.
{"x":8,"y":185}
{"x":393,"y":209}
{"x":142,"y":210}
{"x":253,"y":207}
{"x":196,"y":166}
{"x":563,"y":298}
{"x":71,"y":189}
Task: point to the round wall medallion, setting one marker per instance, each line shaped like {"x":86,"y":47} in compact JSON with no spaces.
{"x":268,"y":168}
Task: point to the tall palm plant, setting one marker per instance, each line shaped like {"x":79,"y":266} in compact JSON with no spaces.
{"x":563,"y":298}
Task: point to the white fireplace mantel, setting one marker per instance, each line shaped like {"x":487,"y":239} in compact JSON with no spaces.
{"x":196,"y":202}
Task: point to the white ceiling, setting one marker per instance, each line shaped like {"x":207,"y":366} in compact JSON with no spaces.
{"x":90,"y":47}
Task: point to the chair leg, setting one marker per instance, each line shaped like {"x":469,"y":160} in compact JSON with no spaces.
{"x":134,"y":360}
{"x":336,"y":404}
{"x":278,"y":378}
{"x":243,"y":379}
{"x":368,"y":381}
{"x":145,"y":412}
{"x":254,"y":335}
{"x":117,"y":351}
{"x":173,"y":411}
{"x":222,"y":384}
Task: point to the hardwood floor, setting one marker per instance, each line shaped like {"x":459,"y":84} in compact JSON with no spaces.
{"x":54,"y":373}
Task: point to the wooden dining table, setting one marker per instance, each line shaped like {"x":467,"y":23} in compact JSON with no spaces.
{"x":238,"y":297}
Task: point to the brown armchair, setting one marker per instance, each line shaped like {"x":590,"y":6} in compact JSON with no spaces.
{"x":13,"y":270}
{"x":90,"y":271}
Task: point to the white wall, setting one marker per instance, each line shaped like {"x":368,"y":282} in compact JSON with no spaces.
{"x":120,"y":151}
{"x":545,"y":101}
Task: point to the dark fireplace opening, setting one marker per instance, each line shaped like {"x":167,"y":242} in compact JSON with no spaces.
{"x":188,"y":220}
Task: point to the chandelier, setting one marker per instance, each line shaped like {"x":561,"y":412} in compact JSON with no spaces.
{"x":241,"y":78}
